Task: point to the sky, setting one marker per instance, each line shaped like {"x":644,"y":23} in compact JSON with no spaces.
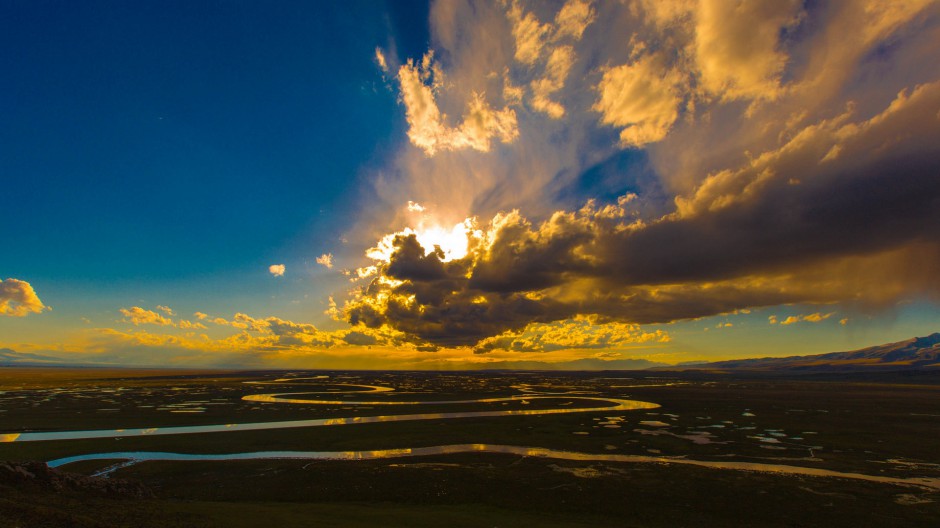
{"x":458,"y":185}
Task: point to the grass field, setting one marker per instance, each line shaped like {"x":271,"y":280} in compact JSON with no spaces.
{"x":887,"y":429}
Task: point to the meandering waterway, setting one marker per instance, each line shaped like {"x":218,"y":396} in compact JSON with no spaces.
{"x":540,"y":452}
{"x":604,"y":404}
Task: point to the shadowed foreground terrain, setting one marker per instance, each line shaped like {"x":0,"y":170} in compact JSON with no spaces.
{"x":837,"y":423}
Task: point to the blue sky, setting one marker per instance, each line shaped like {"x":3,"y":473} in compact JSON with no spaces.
{"x":150,"y":141}
{"x":167,"y":153}
{"x":179,"y":147}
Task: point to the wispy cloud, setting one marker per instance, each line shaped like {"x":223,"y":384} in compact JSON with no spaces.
{"x":381,"y":60}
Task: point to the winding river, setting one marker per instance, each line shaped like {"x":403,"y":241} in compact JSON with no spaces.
{"x":604,"y":404}
{"x":612,"y":404}
{"x":540,"y":452}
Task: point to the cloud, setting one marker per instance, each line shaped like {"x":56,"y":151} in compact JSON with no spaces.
{"x":773,"y":153}
{"x":247,"y":349}
{"x":556,"y":71}
{"x":18,"y":299}
{"x":548,"y":45}
{"x":810,"y":318}
{"x":138,"y":316}
{"x":579,"y":333}
{"x":201,"y":316}
{"x":380,"y":59}
{"x":573,"y":18}
{"x":165,"y":309}
{"x":277,"y":270}
{"x":253,"y":335}
{"x":855,"y":231}
{"x":326,"y":259}
{"x":737,"y":46}
{"x":641,"y":97}
{"x":427,"y":128}
{"x":529,"y":34}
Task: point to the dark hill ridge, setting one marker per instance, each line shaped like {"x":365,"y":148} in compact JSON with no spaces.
{"x":915,"y":353}
{"x":10,"y":357}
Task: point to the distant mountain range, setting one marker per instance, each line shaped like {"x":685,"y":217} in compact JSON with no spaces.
{"x":919,"y":353}
{"x":10,"y":357}
{"x":911,"y":354}
{"x":577,"y":364}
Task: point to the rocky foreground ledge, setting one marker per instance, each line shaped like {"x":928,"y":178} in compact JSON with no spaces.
{"x":38,"y":476}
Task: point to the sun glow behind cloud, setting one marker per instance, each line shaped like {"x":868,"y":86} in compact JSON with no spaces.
{"x":712,"y":232}
{"x":453,"y":241}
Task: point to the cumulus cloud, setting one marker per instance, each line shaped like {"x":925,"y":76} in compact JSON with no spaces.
{"x":282,"y":344}
{"x":277,"y":270}
{"x":326,"y":260}
{"x":778,"y":153}
{"x":580,"y":332}
{"x":165,"y":309}
{"x":18,"y":299}
{"x":139,"y":316}
{"x":273,"y":333}
{"x":851,"y":232}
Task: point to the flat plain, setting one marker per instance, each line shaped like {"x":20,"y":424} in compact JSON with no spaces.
{"x":714,"y":450}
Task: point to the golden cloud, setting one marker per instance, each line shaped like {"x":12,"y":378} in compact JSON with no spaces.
{"x":427,"y":128}
{"x":786,"y":160}
{"x":277,"y":270}
{"x":737,"y":46}
{"x":138,"y":316}
{"x":809,"y":318}
{"x":326,"y":260}
{"x":861,"y":229}
{"x":643,"y":97}
{"x":18,"y":299}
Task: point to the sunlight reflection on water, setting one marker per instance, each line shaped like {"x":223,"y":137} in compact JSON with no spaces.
{"x":613,"y":404}
{"x":539,"y":452}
